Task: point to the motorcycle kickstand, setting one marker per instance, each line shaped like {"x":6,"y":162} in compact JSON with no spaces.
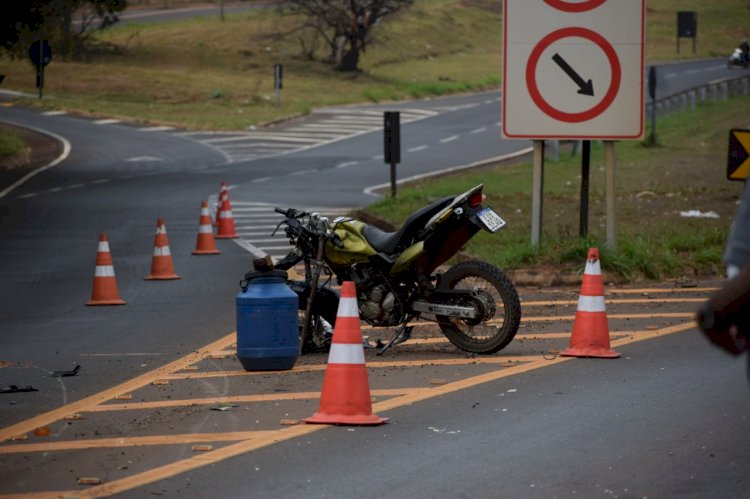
{"x":403,"y":334}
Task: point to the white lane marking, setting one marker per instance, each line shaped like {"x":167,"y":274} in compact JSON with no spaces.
{"x":372,"y":190}
{"x":100,"y":181}
{"x":143,"y":159}
{"x":156,"y":129}
{"x":109,"y":121}
{"x":379,"y":157}
{"x":56,"y":161}
{"x":302,"y":172}
{"x":448,"y":139}
{"x":54,"y":113}
{"x":479,"y":130}
{"x":262,"y":179}
{"x":347,"y":164}
{"x":30,"y":195}
{"x":418,"y":148}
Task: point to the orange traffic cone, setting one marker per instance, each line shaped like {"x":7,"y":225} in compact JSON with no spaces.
{"x":345,"y":398}
{"x":205,"y":244}
{"x":223,"y":194}
{"x":226,"y":228}
{"x":104,"y":290}
{"x":161,"y":263}
{"x":590,"y":336}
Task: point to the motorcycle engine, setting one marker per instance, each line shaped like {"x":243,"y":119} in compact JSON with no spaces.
{"x":377,"y":304}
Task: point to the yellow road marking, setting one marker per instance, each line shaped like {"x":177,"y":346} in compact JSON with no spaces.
{"x":616,"y":301}
{"x":419,"y":395}
{"x":656,"y":315}
{"x":233,"y":399}
{"x":100,"y":443}
{"x":128,"y":386}
{"x":507,"y":359}
{"x":660,"y":290}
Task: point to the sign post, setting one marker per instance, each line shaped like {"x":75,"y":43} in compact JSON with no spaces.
{"x":40,"y":54}
{"x":392,"y":143}
{"x":537,"y":188}
{"x":573,"y":69}
{"x":652,"y":94}
{"x":278,"y":82}
{"x":687,"y":27}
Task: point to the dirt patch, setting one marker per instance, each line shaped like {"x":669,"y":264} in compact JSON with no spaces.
{"x":40,"y":150}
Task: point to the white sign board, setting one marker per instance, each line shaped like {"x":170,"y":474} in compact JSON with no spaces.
{"x":573,"y":69}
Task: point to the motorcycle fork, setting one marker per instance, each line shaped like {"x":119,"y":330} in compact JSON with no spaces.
{"x":312,"y":269}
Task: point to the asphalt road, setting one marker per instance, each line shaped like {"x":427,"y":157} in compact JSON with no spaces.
{"x":668,"y":419}
{"x":118,"y":182}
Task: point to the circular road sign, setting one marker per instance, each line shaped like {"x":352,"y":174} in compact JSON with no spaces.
{"x":574,"y":6}
{"x":40,"y":53}
{"x":603,"y":44}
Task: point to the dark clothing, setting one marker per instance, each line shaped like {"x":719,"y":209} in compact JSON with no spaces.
{"x":737,"y":252}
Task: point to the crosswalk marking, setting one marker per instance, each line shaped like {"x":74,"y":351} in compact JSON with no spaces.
{"x":254,"y":223}
{"x":322,"y":127}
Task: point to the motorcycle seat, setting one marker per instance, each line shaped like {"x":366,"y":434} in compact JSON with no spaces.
{"x":390,"y":242}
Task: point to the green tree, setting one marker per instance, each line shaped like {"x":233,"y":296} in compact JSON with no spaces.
{"x":67,"y":24}
{"x":344,"y":25}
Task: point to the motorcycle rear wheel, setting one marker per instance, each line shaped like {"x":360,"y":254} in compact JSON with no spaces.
{"x":489,"y":334}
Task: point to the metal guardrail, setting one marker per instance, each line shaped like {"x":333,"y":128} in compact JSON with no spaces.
{"x":720,"y":90}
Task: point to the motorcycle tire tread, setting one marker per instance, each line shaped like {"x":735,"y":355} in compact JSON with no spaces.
{"x":510,"y":301}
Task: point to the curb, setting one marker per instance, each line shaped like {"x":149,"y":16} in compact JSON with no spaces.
{"x":47,"y":164}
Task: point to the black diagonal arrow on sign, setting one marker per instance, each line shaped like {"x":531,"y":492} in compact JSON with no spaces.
{"x":738,"y":163}
{"x":584,"y":87}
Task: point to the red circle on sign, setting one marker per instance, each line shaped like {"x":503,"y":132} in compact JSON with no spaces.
{"x":614,"y":85}
{"x":574,"y":7}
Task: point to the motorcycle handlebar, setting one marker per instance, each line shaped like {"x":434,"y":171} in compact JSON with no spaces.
{"x":290,"y":212}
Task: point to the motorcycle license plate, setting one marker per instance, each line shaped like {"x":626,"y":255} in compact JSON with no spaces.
{"x":491,"y":220}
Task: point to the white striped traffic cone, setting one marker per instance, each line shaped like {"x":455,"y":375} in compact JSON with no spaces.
{"x":204,"y":243}
{"x":345,"y":398}
{"x":590,"y":336}
{"x":223,"y":194}
{"x":226,"y":228}
{"x":104,"y":290}
{"x":161,"y":264}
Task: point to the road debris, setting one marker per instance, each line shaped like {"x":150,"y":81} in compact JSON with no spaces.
{"x":698,"y":214}
{"x":15,"y":389}
{"x":224,"y":406}
{"x":89,"y":480}
{"x":64,"y":374}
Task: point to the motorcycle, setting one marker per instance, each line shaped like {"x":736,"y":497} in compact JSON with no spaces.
{"x":738,"y":58}
{"x":475,"y":304}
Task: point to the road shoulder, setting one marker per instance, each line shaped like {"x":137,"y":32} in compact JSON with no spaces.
{"x":41,"y":150}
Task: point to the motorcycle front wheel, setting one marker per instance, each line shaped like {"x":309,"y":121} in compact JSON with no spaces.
{"x":498,"y":325}
{"x":324,"y":316}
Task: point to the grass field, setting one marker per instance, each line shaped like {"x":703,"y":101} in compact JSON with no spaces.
{"x":654,"y":184}
{"x":208,"y":74}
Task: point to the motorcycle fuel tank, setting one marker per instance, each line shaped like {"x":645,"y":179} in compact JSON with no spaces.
{"x":355,"y":248}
